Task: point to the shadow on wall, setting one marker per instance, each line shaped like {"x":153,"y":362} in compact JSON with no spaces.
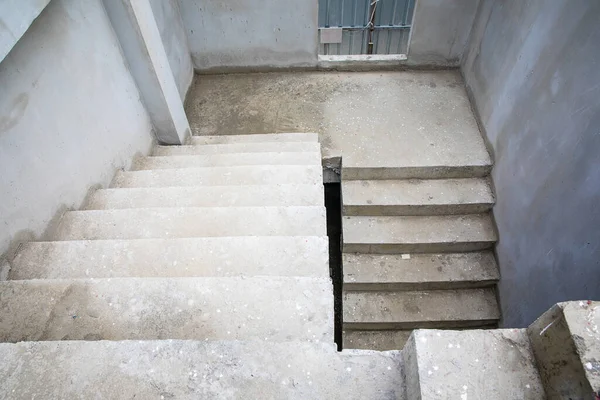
{"x":532,"y":72}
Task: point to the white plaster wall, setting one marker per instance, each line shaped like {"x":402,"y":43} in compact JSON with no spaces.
{"x":172,"y":33}
{"x":70,"y":115}
{"x":15,"y":18}
{"x":257,"y":34}
{"x":440,"y":31}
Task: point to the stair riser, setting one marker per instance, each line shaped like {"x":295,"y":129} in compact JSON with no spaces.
{"x":384,"y":248}
{"x":416,"y":210}
{"x":478,"y":324}
{"x":257,"y":138}
{"x":405,"y":286}
{"x":472,"y":171}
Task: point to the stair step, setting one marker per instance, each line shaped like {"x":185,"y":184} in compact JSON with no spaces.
{"x":419,"y":271}
{"x":225,"y":160}
{"x":417,"y":197}
{"x":420,"y":309}
{"x":475,"y":364}
{"x":223,"y":196}
{"x":257,"y":138}
{"x":375,"y":340}
{"x":418,"y":234}
{"x":146,"y":223}
{"x":475,"y":170}
{"x":263,"y":308}
{"x":220,"y":176}
{"x":265,"y":147}
{"x":197,"y":370}
{"x":186,"y":257}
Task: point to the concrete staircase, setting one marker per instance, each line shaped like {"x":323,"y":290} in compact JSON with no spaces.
{"x":416,"y":252}
{"x":213,"y":257}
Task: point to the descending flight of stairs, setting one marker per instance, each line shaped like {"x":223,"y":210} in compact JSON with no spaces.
{"x":416,"y":253}
{"x":201,"y":273}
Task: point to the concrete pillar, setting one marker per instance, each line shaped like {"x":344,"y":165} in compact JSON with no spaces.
{"x":135,"y":26}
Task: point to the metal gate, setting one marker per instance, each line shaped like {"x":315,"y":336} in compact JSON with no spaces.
{"x":364,"y":26}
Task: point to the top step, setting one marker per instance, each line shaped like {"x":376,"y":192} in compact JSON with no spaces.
{"x":265,"y":147}
{"x":259,"y":138}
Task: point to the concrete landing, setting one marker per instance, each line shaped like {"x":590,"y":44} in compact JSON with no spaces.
{"x":177,"y":369}
{"x":374,"y":119}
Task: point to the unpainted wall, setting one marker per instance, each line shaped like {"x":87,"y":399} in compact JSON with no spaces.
{"x":15,"y":18}
{"x":440,"y":31}
{"x":172,"y":33}
{"x":533,"y":72}
{"x":70,"y":115}
{"x":229,"y":35}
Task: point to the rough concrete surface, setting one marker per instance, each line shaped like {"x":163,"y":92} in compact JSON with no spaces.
{"x":419,"y":234}
{"x":230,"y":308}
{"x":383,"y":119}
{"x":417,"y":197}
{"x":471,"y":365}
{"x":224,"y":160}
{"x":566,"y":344}
{"x":281,"y":137}
{"x":178,"y":222}
{"x":196,"y":370}
{"x":218,"y":176}
{"x":419,"y":271}
{"x":260,"y":147}
{"x":420,"y":309}
{"x":254,"y":256}
{"x":207,"y":196}
{"x":375,"y":340}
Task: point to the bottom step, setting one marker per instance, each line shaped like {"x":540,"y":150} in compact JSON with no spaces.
{"x":375,"y":340}
{"x":195,"y":370}
{"x":420,"y":309}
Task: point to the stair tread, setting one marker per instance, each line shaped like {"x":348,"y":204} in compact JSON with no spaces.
{"x":420,"y":271}
{"x":362,"y":233}
{"x":375,"y":340}
{"x":256,"y":138}
{"x":197,"y":369}
{"x":214,"y":256}
{"x":299,"y":308}
{"x":235,"y":196}
{"x":412,"y":196}
{"x":220,"y":176}
{"x":225,"y":160}
{"x":140,"y":223}
{"x":265,"y":147}
{"x":411,"y":309}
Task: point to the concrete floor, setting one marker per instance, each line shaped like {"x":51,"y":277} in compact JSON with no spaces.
{"x":373,"y":119}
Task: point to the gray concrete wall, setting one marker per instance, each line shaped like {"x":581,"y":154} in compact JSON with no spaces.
{"x":70,"y":115}
{"x":533,"y":70}
{"x":172,"y":33}
{"x":440,"y":31}
{"x":259,"y":34}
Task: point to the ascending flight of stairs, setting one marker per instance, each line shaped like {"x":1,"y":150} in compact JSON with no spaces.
{"x":201,"y":273}
{"x":417,"y":253}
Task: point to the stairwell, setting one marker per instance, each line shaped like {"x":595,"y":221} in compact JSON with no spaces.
{"x":201,"y":273}
{"x":417,"y":254}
